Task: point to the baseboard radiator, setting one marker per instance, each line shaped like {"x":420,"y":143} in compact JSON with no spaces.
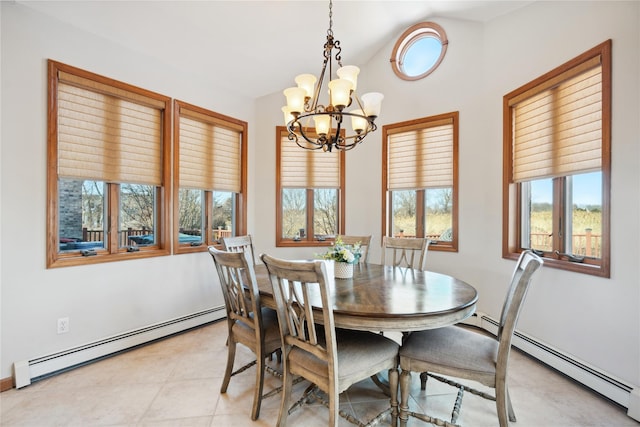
{"x":28,"y":371}
{"x":612,"y":388}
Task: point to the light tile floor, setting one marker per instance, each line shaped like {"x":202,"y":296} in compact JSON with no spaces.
{"x":176,"y":382}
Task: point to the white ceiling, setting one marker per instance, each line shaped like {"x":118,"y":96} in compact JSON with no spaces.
{"x":258,"y":47}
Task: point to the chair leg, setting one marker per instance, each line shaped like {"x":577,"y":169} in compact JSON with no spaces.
{"x":334,"y":404}
{"x":231,"y":355}
{"x":423,"y":380}
{"x":502,"y":403}
{"x":512,"y":414}
{"x":287,"y":385}
{"x":405,"y":379}
{"x":257,"y":396}
{"x":393,"y":392}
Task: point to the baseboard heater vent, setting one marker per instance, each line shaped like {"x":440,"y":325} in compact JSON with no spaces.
{"x":28,"y":371}
{"x":612,"y":388}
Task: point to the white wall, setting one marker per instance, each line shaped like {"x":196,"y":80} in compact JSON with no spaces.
{"x":104,"y":299}
{"x":594,"y":319}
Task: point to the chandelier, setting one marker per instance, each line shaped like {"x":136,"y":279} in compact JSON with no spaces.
{"x":329,"y":127}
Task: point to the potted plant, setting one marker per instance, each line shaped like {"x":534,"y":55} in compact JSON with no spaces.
{"x":344,"y":257}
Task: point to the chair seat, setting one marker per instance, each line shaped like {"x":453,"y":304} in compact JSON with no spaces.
{"x":354,"y":352}
{"x":247,"y":336}
{"x":451,"y":351}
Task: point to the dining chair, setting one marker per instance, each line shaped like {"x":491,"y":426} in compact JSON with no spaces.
{"x":365,"y":243}
{"x":404,"y":252}
{"x":330,"y":359}
{"x":464,"y":354}
{"x":239,"y":244}
{"x":248,"y":323}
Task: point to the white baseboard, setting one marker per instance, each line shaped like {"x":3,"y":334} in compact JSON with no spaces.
{"x":603,"y":383}
{"x":27,"y":371}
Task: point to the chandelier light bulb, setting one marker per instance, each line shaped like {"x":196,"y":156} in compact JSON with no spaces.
{"x":295,"y":99}
{"x":358,"y":122}
{"x":323,"y":124}
{"x":288,"y":116}
{"x":349,"y":72}
{"x":307,"y":82}
{"x":340,"y":90}
{"x":372,"y":103}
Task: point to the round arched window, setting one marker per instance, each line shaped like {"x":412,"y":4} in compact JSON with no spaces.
{"x":419,"y":51}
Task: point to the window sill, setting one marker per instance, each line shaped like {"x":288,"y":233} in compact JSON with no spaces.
{"x":592,"y":267}
{"x":74,"y":259}
{"x":303,"y":243}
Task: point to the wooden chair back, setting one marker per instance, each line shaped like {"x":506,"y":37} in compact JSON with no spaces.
{"x":236,"y":274}
{"x":365,"y":243}
{"x":297,"y":286}
{"x":404,"y":252}
{"x":527,"y":265}
{"x":239,"y":244}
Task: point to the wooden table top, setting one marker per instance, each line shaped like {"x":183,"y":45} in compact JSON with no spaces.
{"x":384,"y":298}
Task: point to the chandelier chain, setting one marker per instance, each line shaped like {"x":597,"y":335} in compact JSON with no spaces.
{"x":330,"y":30}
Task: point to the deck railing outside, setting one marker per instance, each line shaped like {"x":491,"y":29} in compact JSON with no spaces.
{"x":124,"y":235}
{"x":585,"y":244}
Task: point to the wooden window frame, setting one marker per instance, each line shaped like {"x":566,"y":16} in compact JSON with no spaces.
{"x":408,"y":38}
{"x":240,"y":207}
{"x":309,"y":240}
{"x":512,"y":193}
{"x":387,"y":214}
{"x":112,"y":251}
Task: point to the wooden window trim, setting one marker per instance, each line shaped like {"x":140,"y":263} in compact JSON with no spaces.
{"x":240,"y":208}
{"x":410,"y":36}
{"x":511,"y":226}
{"x":111,"y":252}
{"x":308,"y":242}
{"x":386,"y":216}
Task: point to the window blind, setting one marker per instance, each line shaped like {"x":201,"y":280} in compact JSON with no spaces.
{"x":558,"y":127}
{"x":210,"y":152}
{"x":107,"y":133}
{"x":300,"y":168}
{"x":421,"y":156}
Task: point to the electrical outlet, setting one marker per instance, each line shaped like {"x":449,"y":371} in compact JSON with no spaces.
{"x":63,"y":325}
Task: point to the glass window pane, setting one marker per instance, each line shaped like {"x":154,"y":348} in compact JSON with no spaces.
{"x":539,"y":221}
{"x":223,"y":215}
{"x":404,"y":213}
{"x":81,"y":215}
{"x":438,"y":212}
{"x":584,"y":202}
{"x":137,"y":215}
{"x":294,"y":213}
{"x":190,"y":216}
{"x":325,"y":212}
{"x":421,"y":55}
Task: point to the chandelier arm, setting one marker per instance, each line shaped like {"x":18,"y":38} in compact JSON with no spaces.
{"x":338,"y":55}
{"x":336,"y":140}
{"x":294,"y":137}
{"x":318,"y":142}
{"x":316,"y":92}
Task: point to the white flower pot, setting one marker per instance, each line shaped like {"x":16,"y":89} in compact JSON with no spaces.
{"x":343,"y":270}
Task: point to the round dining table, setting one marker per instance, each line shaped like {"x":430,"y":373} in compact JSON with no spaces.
{"x":386,"y":298}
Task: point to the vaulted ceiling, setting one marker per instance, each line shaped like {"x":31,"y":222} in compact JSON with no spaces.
{"x":257,"y":47}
